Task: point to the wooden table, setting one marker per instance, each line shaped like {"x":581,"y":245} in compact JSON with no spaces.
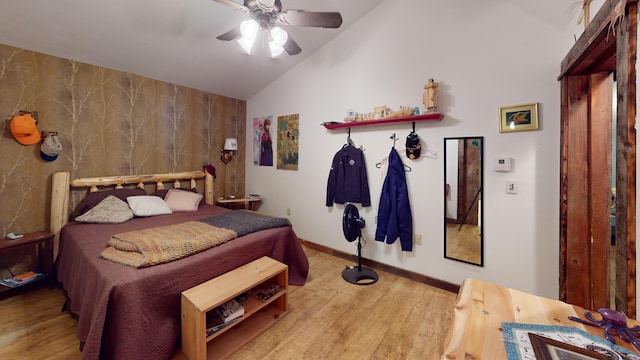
{"x":481,"y":307}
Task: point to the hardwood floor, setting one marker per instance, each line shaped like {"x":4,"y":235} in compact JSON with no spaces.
{"x":328,"y":318}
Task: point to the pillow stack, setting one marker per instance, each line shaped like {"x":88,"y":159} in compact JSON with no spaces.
{"x":118,"y":206}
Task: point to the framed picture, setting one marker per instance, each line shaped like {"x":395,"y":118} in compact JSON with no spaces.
{"x":379,"y":112}
{"x":519,"y":117}
{"x":549,"y":349}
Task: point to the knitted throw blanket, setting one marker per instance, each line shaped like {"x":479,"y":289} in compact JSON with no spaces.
{"x":157,"y":245}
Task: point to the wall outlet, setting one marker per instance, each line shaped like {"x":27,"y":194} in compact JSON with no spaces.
{"x":288,"y":211}
{"x":417,"y":239}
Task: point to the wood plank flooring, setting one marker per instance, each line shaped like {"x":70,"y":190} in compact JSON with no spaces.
{"x":328,"y":318}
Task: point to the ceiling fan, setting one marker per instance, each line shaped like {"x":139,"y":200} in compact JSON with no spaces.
{"x":266,"y":15}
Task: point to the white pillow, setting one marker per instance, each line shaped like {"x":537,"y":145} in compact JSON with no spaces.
{"x":110,"y":210}
{"x":147,"y":205}
{"x":181,"y":200}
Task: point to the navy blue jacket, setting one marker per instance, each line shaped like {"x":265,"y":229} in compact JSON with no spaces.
{"x":348,"y":178}
{"x":394,"y":213}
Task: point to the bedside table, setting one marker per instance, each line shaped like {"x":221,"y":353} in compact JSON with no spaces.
{"x":250,"y":203}
{"x":43,"y":241}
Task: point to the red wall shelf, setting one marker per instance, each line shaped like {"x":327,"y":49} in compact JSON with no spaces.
{"x":424,"y":117}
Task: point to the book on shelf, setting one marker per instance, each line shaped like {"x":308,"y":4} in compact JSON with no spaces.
{"x":22,"y":279}
{"x":266,"y":291}
{"x":230,"y":310}
{"x":215,"y":328}
{"x":223,"y":315}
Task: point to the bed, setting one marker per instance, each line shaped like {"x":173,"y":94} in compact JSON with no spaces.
{"x":125,"y":312}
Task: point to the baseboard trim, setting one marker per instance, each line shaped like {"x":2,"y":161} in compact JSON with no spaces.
{"x":440,"y":284}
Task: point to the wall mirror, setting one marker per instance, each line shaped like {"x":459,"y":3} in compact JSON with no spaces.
{"x":463,"y":200}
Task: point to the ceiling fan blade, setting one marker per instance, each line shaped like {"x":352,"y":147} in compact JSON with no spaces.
{"x":231,"y":34}
{"x":233,"y":4}
{"x":291,"y":47}
{"x":310,"y":18}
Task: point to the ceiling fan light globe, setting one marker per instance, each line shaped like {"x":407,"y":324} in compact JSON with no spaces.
{"x":246,"y":44}
{"x":278,"y":36}
{"x":275,"y":49}
{"x":249,"y":29}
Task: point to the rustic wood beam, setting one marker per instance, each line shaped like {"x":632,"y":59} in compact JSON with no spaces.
{"x":626,"y":162}
{"x":599,"y":33}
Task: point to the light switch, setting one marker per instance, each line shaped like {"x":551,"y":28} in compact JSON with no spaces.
{"x":512,"y":187}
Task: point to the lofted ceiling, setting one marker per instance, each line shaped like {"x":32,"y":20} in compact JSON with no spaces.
{"x":175,"y":41}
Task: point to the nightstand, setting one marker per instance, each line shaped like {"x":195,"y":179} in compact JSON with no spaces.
{"x":250,"y":203}
{"x":43,"y":241}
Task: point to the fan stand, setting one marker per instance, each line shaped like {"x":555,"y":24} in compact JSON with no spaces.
{"x":357,"y":274}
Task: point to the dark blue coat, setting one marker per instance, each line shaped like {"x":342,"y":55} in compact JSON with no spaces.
{"x":394,"y":213}
{"x":348,"y":180}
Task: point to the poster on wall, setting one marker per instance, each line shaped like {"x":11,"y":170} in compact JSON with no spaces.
{"x":288,"y":131}
{"x":262,"y":143}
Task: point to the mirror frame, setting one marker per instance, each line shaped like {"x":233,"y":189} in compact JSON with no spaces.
{"x":478,"y":195}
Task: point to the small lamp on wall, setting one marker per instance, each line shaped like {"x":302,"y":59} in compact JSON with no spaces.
{"x":226,"y":154}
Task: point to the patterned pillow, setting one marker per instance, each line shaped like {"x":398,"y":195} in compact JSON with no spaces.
{"x":148,"y":205}
{"x":110,"y":210}
{"x":180,"y":200}
{"x":94,"y":198}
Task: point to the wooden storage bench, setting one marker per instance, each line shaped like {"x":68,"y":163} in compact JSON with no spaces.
{"x":258,"y":315}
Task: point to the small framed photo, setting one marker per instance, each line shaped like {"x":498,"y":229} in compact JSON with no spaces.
{"x":379,"y":112}
{"x":549,"y":349}
{"x":519,"y":117}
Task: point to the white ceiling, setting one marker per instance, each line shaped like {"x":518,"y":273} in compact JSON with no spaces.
{"x":175,"y":41}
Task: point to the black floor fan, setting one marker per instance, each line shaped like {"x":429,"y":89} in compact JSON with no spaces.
{"x":352,"y":225}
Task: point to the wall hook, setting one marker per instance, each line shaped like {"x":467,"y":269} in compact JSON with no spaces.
{"x":44,"y":134}
{"x":394,"y":138}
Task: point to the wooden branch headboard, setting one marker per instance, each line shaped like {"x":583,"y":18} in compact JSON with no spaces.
{"x":61,"y":189}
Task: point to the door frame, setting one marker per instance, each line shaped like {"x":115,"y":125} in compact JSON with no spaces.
{"x":609,"y":44}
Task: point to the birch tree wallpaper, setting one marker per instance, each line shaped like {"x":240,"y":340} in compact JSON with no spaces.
{"x":109,"y":123}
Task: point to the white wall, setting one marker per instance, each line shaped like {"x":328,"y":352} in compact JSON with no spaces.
{"x":484,"y":55}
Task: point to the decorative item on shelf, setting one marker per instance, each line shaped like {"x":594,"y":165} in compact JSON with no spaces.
{"x":351,"y":116}
{"x":430,"y":96}
{"x":403,"y":112}
{"x":585,"y":15}
{"x":226,"y":154}
{"x":380,"y":112}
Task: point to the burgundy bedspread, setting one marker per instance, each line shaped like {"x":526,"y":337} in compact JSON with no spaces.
{"x":130,"y":313}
